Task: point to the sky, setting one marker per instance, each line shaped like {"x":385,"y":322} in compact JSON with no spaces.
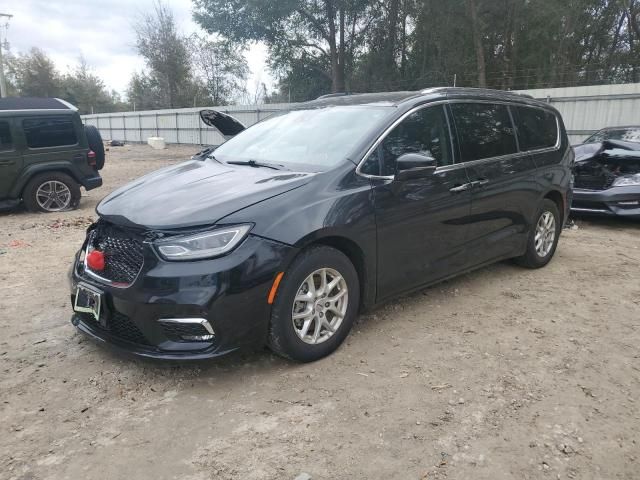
{"x":102,"y":32}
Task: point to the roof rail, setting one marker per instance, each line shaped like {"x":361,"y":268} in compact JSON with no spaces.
{"x":331,"y":95}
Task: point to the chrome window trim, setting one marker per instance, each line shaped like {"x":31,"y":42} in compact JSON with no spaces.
{"x":558,"y":138}
{"x":518,"y":154}
{"x":388,"y":130}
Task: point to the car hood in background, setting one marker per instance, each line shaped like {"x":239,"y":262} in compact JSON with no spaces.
{"x":227,"y":125}
{"x":587,"y":151}
{"x":195,"y":193}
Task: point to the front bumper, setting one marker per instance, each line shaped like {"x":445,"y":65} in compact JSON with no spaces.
{"x":615,"y":201}
{"x":229,"y":292}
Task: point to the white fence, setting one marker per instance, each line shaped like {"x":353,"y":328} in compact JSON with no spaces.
{"x":175,"y":126}
{"x":584,"y":109}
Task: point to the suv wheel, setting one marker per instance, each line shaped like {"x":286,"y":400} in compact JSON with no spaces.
{"x":543,"y":238}
{"x":316,"y":305}
{"x":51,"y":192}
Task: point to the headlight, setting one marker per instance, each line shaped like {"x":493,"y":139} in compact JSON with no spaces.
{"x":202,"y":245}
{"x":627,"y":181}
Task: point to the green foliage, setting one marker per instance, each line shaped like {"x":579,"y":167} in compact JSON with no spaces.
{"x":183,"y":71}
{"x":318,"y":46}
{"x":165,"y":53}
{"x":219,"y":67}
{"x":34,"y":74}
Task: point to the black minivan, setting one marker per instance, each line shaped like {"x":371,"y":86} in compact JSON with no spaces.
{"x":285,"y":232}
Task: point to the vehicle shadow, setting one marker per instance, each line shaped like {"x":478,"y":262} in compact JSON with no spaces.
{"x":262,"y":360}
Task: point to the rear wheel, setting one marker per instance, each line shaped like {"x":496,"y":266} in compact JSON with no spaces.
{"x":95,"y":143}
{"x":316,"y":305}
{"x":51,"y":192}
{"x":543,"y":238}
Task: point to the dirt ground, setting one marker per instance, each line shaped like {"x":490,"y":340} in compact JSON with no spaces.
{"x":502,"y":373}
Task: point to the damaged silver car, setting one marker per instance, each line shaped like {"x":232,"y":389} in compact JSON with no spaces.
{"x":607,"y":173}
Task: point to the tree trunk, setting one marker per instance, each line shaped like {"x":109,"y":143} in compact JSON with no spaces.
{"x":477,"y":43}
{"x":337,"y":68}
{"x":340,"y":84}
{"x":390,"y":47}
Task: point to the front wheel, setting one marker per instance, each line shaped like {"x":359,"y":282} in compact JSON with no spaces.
{"x":316,"y":305}
{"x":543,"y":238}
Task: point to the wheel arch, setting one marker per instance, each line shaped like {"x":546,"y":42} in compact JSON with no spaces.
{"x":354,"y":252}
{"x":556,"y":197}
{"x":27,"y":176}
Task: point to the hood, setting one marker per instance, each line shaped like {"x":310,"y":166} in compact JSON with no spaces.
{"x":195,"y":193}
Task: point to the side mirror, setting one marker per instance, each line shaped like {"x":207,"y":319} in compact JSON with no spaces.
{"x":414,"y":165}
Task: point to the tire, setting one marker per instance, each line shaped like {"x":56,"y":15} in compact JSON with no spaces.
{"x":95,"y":143}
{"x":33,"y":192}
{"x":539,"y":257}
{"x":283,"y":338}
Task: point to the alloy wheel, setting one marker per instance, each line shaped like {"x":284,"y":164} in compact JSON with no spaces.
{"x":53,"y":196}
{"x":545,"y":234}
{"x":320,"y":306}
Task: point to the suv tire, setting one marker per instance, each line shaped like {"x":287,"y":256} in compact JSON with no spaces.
{"x":65,"y":193}
{"x":543,"y":238}
{"x":95,"y":143}
{"x":325,"y":314}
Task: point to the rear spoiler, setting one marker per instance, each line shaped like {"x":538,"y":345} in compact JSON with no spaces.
{"x":227,"y":125}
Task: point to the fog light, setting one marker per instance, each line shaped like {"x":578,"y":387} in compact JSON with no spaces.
{"x":630,"y":203}
{"x":188,"y":329}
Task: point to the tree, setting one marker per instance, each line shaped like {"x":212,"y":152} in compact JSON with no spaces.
{"x":323,"y":33}
{"x":86,"y":91}
{"x":220,"y":68}
{"x":36,"y":75}
{"x":166,"y":56}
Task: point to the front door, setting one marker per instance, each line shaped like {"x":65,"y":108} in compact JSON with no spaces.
{"x":10,"y":158}
{"x":421,"y":223}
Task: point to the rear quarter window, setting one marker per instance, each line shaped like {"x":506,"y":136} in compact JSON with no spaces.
{"x":484,"y":130}
{"x":54,"y":131}
{"x":537,"y":128}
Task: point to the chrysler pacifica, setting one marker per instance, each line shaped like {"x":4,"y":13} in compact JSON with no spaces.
{"x":281,"y":235}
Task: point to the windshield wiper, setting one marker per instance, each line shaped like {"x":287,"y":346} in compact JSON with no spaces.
{"x":256,"y":164}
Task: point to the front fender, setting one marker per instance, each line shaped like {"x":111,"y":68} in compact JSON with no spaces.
{"x":337,"y":212}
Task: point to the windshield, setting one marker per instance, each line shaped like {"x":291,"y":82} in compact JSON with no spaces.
{"x":307,"y":139}
{"x":631,"y":134}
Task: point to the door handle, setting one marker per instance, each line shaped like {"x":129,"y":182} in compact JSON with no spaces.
{"x":480,"y":182}
{"x":7,"y":162}
{"x":461,"y":188}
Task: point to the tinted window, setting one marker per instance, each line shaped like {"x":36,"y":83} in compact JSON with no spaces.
{"x":537,"y":128}
{"x":49,"y":132}
{"x":484,"y":130}
{"x":425,"y":131}
{"x":6,"y":143}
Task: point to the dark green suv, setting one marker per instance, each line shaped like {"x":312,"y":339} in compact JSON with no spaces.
{"x":46,"y":154}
